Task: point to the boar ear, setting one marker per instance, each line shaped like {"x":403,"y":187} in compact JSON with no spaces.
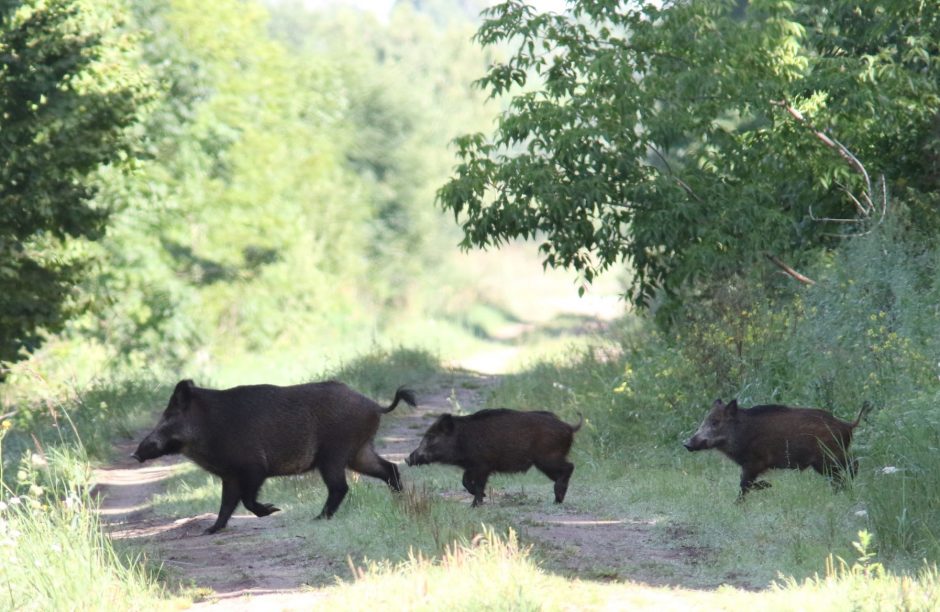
{"x":718,"y":404}
{"x":447,"y":423}
{"x":184,"y":392}
{"x":732,"y":407}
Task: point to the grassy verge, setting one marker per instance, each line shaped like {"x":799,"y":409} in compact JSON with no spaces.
{"x":494,"y":572}
{"x":53,"y":553}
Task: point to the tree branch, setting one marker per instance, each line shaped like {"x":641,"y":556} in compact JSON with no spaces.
{"x":789,"y":271}
{"x":865,"y":206}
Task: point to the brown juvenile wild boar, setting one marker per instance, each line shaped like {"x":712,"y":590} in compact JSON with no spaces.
{"x":246,"y":434}
{"x":499,"y":441}
{"x":773,"y":436}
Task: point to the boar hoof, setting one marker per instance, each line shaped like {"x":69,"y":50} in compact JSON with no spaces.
{"x":211,"y":530}
{"x":760,"y":484}
{"x":265,"y":509}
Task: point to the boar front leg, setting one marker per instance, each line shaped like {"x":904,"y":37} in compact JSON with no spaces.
{"x":230,"y":493}
{"x":749,"y":482}
{"x":334,"y":476}
{"x":469,"y":485}
{"x":477,"y":482}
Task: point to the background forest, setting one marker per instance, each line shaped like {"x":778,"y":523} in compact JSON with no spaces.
{"x":238,"y":191}
{"x":268,"y":181}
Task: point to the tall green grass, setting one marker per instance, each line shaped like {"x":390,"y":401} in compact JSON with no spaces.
{"x":53,"y":552}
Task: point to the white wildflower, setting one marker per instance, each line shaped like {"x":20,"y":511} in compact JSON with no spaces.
{"x":890,"y":469}
{"x":861,"y":513}
{"x":3,"y":506}
{"x":14,"y":501}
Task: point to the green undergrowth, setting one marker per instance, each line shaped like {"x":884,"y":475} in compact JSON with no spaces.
{"x":866,"y":332}
{"x":77,"y":429}
{"x":379,"y":372}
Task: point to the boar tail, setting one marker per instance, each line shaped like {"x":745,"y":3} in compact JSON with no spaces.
{"x":575,"y":428}
{"x":866,"y":408}
{"x":402,"y":394}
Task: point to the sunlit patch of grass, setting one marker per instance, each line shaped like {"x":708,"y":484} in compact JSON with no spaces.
{"x":493,"y":571}
{"x":485,"y":572}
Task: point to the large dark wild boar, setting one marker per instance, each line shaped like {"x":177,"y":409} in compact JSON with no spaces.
{"x":500,"y":441}
{"x":773,"y":436}
{"x":246,"y":434}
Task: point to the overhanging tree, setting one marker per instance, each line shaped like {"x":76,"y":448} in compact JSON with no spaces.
{"x":693,"y":138}
{"x":70,"y":96}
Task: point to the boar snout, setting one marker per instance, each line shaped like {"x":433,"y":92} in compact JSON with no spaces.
{"x":416,"y":459}
{"x":694,"y":444}
{"x":152,"y":447}
{"x":146,"y":450}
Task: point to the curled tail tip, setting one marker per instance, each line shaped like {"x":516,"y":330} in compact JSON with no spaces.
{"x":575,"y":428}
{"x":407,"y":395}
{"x":402,"y":394}
{"x":865,"y":409}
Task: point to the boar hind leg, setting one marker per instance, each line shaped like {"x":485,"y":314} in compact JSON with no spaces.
{"x":561,"y":474}
{"x":250,"y":485}
{"x":836,"y":471}
{"x":368,"y":462}
{"x":334,"y":476}
{"x":231,"y":491}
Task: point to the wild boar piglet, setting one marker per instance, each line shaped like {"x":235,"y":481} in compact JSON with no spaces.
{"x":775,"y":436}
{"x":500,"y":440}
